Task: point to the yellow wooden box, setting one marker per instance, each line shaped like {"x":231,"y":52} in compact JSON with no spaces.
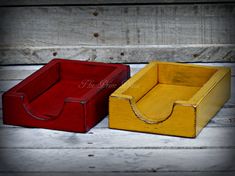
{"x":170,"y":98}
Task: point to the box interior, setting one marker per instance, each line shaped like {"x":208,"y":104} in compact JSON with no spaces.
{"x":166,"y":83}
{"x":46,"y":93}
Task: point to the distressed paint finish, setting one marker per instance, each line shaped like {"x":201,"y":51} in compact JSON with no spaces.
{"x":56,"y":97}
{"x":124,"y":153}
{"x":169,"y":98}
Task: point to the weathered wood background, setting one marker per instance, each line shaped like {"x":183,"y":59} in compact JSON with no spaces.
{"x":117,"y":31}
{"x":124,"y":31}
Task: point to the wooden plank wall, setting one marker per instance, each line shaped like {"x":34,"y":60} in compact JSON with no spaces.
{"x":132,"y":31}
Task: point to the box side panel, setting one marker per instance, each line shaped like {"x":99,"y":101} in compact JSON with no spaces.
{"x":184,"y":74}
{"x":142,"y":82}
{"x":70,"y":119}
{"x":180,"y":123}
{"x":39,"y":82}
{"x":97,"y":107}
{"x":213,"y":101}
{"x":84,"y":70}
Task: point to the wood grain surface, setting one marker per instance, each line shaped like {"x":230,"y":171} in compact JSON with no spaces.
{"x":191,"y":32}
{"x":106,"y":152}
{"x":102,"y":2}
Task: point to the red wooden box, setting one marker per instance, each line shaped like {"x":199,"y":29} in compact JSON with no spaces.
{"x":64,"y":95}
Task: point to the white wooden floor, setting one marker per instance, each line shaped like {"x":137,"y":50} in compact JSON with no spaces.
{"x":102,"y":151}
